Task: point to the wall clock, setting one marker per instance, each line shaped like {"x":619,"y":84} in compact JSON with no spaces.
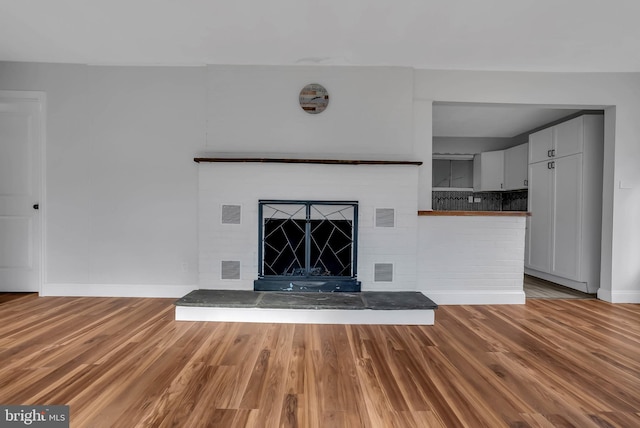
{"x":314,"y":98}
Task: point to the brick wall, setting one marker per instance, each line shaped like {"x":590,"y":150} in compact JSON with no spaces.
{"x":471,"y":260}
{"x":244,"y":184}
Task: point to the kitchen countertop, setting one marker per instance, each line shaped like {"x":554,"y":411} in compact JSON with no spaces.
{"x":476,"y":213}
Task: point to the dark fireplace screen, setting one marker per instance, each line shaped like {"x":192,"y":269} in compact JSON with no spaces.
{"x":307,"y":239}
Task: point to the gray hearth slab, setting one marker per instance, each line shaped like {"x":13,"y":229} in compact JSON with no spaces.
{"x":292,"y":300}
{"x":221,"y":298}
{"x":388,"y":300}
{"x":374,"y":300}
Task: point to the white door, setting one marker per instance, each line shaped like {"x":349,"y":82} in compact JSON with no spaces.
{"x":567,"y":217}
{"x":20,"y":171}
{"x":540,"y":226}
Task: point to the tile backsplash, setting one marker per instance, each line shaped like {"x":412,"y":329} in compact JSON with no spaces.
{"x":515,"y":200}
{"x":489,"y":201}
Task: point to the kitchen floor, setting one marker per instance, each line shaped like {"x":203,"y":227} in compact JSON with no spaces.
{"x":536,"y":288}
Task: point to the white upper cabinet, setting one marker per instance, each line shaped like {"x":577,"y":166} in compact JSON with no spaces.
{"x":568,"y":137}
{"x":516,"y":160}
{"x":488,"y":171}
{"x":557,"y":141}
{"x":540,"y":145}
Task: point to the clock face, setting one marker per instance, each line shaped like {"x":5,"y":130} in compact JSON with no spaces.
{"x":314,"y":98}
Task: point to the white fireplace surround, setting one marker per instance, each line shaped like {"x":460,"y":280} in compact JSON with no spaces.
{"x":374,"y":187}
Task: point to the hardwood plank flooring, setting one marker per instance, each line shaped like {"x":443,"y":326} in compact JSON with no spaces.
{"x":7,"y":297}
{"x":536,"y":288}
{"x":123,"y":362}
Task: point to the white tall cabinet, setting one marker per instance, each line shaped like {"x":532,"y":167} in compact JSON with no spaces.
{"x":565,"y":201}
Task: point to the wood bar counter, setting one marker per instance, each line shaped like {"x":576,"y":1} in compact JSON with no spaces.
{"x":476,"y":213}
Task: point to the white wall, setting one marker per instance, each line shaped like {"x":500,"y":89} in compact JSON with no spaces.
{"x":372,"y":186}
{"x":145,"y":126}
{"x":121,"y":185}
{"x":471,"y":260}
{"x":255,"y":110}
{"x":106,"y":205}
{"x":67,"y":165}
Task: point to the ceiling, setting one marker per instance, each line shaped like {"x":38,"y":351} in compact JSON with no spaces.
{"x":523,"y":35}
{"x":491,"y":121}
{"x":531,"y":35}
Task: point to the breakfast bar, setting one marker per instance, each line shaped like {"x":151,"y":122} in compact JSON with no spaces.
{"x":472,"y":257}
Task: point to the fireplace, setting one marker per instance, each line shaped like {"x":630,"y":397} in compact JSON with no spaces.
{"x":307,"y":245}
{"x":311,"y":227}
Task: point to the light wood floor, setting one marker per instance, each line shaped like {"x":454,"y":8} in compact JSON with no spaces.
{"x":536,"y":288}
{"x":122,"y":362}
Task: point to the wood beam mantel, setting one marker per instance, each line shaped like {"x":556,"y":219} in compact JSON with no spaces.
{"x":307,"y":161}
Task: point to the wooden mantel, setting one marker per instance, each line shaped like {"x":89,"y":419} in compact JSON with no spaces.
{"x":308,"y":161}
{"x":474,"y":213}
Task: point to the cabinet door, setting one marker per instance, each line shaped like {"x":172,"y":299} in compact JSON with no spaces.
{"x":568,"y":137}
{"x":567,"y":217}
{"x":540,"y":145}
{"x":515,"y":167}
{"x":488,"y":171}
{"x":540,"y":223}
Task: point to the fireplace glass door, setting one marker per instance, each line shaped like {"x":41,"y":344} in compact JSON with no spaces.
{"x":308,"y":239}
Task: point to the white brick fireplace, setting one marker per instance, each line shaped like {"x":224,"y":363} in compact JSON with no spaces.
{"x":229,"y":193}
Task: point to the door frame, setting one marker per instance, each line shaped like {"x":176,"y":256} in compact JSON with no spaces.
{"x":39,"y":97}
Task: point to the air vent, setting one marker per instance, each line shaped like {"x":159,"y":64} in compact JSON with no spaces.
{"x":230,"y":269}
{"x":231,"y":214}
{"x":385,"y":217}
{"x":383,"y":272}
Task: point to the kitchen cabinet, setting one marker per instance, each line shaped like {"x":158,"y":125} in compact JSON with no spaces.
{"x":516,"y":160}
{"x":539,"y":226}
{"x":555,"y":198}
{"x":540,"y":145}
{"x":488,"y":171}
{"x":565,"y":201}
{"x":557,"y":141}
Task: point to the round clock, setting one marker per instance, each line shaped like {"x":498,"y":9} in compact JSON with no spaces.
{"x":314,"y":98}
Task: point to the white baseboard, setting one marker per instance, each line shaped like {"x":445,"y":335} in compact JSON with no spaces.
{"x":476,"y":297}
{"x":306,"y":316}
{"x":117,"y":290}
{"x":14,"y":288}
{"x":631,"y":296}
